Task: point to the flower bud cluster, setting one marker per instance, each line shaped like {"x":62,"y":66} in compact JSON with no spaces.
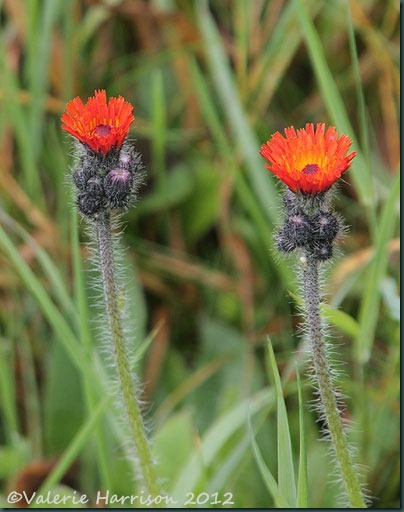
{"x":106,"y":182}
{"x":311,"y":228}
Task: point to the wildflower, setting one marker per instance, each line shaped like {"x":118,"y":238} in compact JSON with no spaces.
{"x":100,"y":125}
{"x":308,"y":160}
{"x":109,"y":169}
{"x":107,"y":174}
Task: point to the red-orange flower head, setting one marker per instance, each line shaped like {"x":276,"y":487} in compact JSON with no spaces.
{"x":100,"y":125}
{"x":307,"y":160}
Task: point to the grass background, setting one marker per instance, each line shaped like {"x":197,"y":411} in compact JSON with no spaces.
{"x":210,"y":82}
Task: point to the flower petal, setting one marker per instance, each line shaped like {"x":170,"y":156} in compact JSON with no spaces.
{"x":99,"y":124}
{"x":310,"y":159}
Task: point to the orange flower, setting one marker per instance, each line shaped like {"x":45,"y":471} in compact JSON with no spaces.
{"x":308,"y":161}
{"x":98,"y":124}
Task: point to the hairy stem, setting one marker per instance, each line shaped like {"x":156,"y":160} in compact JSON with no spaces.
{"x":324,"y":380}
{"x":106,"y":255}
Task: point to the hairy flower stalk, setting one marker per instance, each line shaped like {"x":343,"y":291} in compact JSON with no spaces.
{"x":106,"y":254}
{"x":325,"y":384}
{"x":309,"y":161}
{"x":107,"y":178}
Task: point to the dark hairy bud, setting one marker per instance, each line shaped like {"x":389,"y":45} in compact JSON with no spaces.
{"x":322,"y":251}
{"x":296,"y":232}
{"x":298,"y":228}
{"x":308,"y":225}
{"x":94,"y":186}
{"x":107,"y":181}
{"x":284,"y":242}
{"x":289,"y":201}
{"x":90,"y":204}
{"x":130,"y":159}
{"x":325,"y":226}
{"x":118,"y":187}
{"x":81,"y":176}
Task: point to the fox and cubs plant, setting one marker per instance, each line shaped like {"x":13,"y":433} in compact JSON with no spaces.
{"x":107,"y":176}
{"x":309,"y":161}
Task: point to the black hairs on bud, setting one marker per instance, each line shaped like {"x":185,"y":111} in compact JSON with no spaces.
{"x":322,"y":251}
{"x":107,"y":181}
{"x":90,"y":204}
{"x":289,"y":200}
{"x":94,"y":186}
{"x":325,"y":226}
{"x":298,"y":228}
{"x":130,"y":159}
{"x":118,"y":187}
{"x":283,"y":242}
{"x":309,"y":224}
{"x":81,"y":176}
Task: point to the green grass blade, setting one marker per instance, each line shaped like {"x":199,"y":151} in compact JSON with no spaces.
{"x":224,"y":147}
{"x":159,"y":132}
{"x":57,"y":284}
{"x":228,"y":467}
{"x":50,"y":311}
{"x":344,"y":322}
{"x":209,"y":112}
{"x":187,"y":386}
{"x":73,"y":450}
{"x":369,"y":308}
{"x":32,"y":398}
{"x":8,"y":402}
{"x":77,"y":352}
{"x":245,"y":138}
{"x":336,"y":108}
{"x":277,"y":54}
{"x":242,"y":38}
{"x":269,"y":480}
{"x":39,"y":58}
{"x":243,"y":189}
{"x":302,"y":481}
{"x":214,"y":440}
{"x":286,"y":472}
{"x":358,"y":83}
{"x":16,"y":114}
{"x":62,"y":329}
